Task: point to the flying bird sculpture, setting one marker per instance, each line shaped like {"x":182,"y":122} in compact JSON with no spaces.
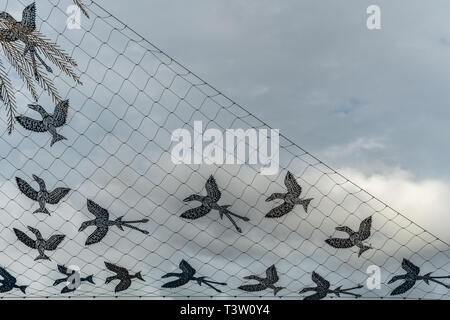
{"x":102,"y":223}
{"x":412,"y":276}
{"x":49,"y":122}
{"x":291,"y":198}
{"x":40,"y":244}
{"x":187,"y":275}
{"x":354,"y":238}
{"x":264,"y":283}
{"x":9,"y":282}
{"x":209,"y":202}
{"x":123,"y":275}
{"x":70,"y":280}
{"x":42,"y":196}
{"x":323,"y":289}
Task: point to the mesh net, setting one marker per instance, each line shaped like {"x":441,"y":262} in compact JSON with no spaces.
{"x":117,"y":153}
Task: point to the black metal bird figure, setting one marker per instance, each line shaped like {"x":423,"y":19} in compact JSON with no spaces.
{"x":40,"y":243}
{"x":355,"y":238}
{"x":209,"y":202}
{"x":291,"y":198}
{"x":49,"y":122}
{"x":323,"y":289}
{"x":42,"y":196}
{"x":264,"y":283}
{"x":9,"y":282}
{"x":68,"y":279}
{"x":103,"y":223}
{"x":187,"y":275}
{"x":123,"y":275}
{"x":412,"y":276}
{"x":28,"y":24}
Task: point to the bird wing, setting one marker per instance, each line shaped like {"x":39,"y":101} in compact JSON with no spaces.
{"x":7,"y":277}
{"x":187,"y":268}
{"x":320,"y":281}
{"x":196,"y":213}
{"x":56,"y":195}
{"x":31,"y":124}
{"x":280,"y":211}
{"x":364,"y":228}
{"x":25,"y":239}
{"x":122,"y":272}
{"x":212,"y":189}
{"x":176,"y":283}
{"x":97,"y":235}
{"x":29,"y":16}
{"x":340,"y":243}
{"x":60,"y":113}
{"x":405,"y":286}
{"x":272,"y":274}
{"x":26,"y":189}
{"x":317,"y":296}
{"x":409,"y":267}
{"x":291,"y":184}
{"x":253,"y":287}
{"x":97,"y":211}
{"x":124,"y":284}
{"x":5,"y":288}
{"x":63,"y":269}
{"x":53,"y":242}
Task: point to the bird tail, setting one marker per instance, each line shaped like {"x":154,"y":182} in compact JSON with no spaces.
{"x":363,"y":249}
{"x":90,"y":279}
{"x":42,"y":256}
{"x":276,"y":290}
{"x":22,"y":288}
{"x":42,"y":210}
{"x":139,"y":276}
{"x":305,"y":204}
{"x":57,"y":137}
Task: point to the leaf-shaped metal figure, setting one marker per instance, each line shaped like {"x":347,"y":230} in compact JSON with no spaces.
{"x":412,"y":276}
{"x":28,"y":24}
{"x":70,"y":280}
{"x":187,"y":275}
{"x":42,"y":196}
{"x":103,"y":223}
{"x":49,"y":122}
{"x":40,"y":244}
{"x":264,"y":283}
{"x":9,"y":282}
{"x":123,"y":275}
{"x":291,"y":198}
{"x":209,"y":202}
{"x":355,"y":238}
{"x":323,"y":289}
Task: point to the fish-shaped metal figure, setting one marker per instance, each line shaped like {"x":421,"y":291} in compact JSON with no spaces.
{"x":187,"y":275}
{"x":70,"y":280}
{"x":264,"y":283}
{"x":49,"y":122}
{"x":355,"y":238}
{"x":27,"y":25}
{"x":43,"y":196}
{"x":9,"y":282}
{"x":102,"y":223}
{"x":209,"y":202}
{"x":291,"y":198}
{"x":40,"y":244}
{"x":123,"y":275}
{"x":323,"y":289}
{"x":412,"y":276}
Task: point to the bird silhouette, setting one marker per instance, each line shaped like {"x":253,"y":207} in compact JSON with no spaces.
{"x":209,"y":202}
{"x":40,"y":244}
{"x":264,"y":283}
{"x":291,"y":198}
{"x":42,"y":196}
{"x":103,"y":223}
{"x":187,"y":275}
{"x":412,"y":276}
{"x":20,"y":31}
{"x":70,"y":280}
{"x":9,"y":282}
{"x":355,"y":238}
{"x":323,"y":289}
{"x":123,"y":275}
{"x":49,"y":122}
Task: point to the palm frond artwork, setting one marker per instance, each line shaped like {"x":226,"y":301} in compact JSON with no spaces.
{"x":82,"y":7}
{"x":23,"y":46}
